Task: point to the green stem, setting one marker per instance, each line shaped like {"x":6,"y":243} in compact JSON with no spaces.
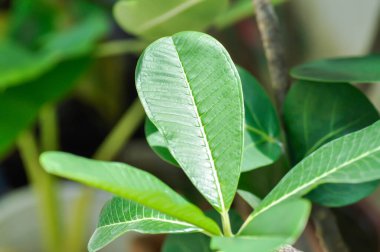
{"x":121,"y":132}
{"x":118,"y":47}
{"x":49,"y":128}
{"x":111,"y":146}
{"x":226,"y":224}
{"x":44,"y":188}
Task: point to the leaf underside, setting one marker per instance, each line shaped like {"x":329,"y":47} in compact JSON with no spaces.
{"x":191,"y":91}
{"x":120,"y":215}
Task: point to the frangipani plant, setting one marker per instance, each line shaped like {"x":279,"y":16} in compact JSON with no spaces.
{"x":200,"y":120}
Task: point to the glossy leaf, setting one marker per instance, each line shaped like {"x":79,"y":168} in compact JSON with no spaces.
{"x":120,"y":215}
{"x":262,"y":144}
{"x":246,"y":244}
{"x":19,"y":105}
{"x":191,"y":91}
{"x":252,"y":200}
{"x":154,"y":19}
{"x":311,"y":123}
{"x":127,"y":182}
{"x":354,"y":158}
{"x":350,"y":69}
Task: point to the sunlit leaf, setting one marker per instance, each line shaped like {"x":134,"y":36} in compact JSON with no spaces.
{"x":191,"y":91}
{"x":351,"y":70}
{"x":311,"y":123}
{"x":154,"y":19}
{"x":127,"y":182}
{"x":120,"y":216}
{"x":354,"y":158}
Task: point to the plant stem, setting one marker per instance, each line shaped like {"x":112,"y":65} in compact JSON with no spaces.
{"x":226,"y":224}
{"x":49,"y":128}
{"x":118,"y":47}
{"x":44,"y":188}
{"x":121,"y":132}
{"x":273,"y":47}
{"x":106,"y":151}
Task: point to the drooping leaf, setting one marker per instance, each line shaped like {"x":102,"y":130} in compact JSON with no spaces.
{"x":197,"y":241}
{"x":127,"y":182}
{"x":154,"y":19}
{"x":19,"y":105}
{"x":120,"y":216}
{"x":191,"y":91}
{"x":350,"y":69}
{"x":311,"y":123}
{"x":354,"y":158}
{"x":252,"y":200}
{"x":262,"y":144}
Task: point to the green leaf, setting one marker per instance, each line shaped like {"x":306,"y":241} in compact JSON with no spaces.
{"x":191,"y":91}
{"x":246,"y":244}
{"x":351,"y":69}
{"x":311,"y":123}
{"x":287,"y":220}
{"x":120,"y":215}
{"x":262,"y":144}
{"x":127,"y":182}
{"x":354,"y":158}
{"x":19,"y":105}
{"x":154,"y":19}
{"x":197,"y":241}
{"x":252,"y":200}
{"x":158,"y":143}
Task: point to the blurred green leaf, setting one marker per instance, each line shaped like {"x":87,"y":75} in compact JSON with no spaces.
{"x":20,"y":105}
{"x":191,"y":91}
{"x":351,"y":70}
{"x":252,"y":200}
{"x":262,"y":144}
{"x":120,"y":216}
{"x":154,"y":19}
{"x":353,"y":158}
{"x":127,"y":182}
{"x":311,"y":123}
{"x":246,"y":244}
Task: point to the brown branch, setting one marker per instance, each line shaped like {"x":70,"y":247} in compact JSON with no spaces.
{"x":273,"y":46}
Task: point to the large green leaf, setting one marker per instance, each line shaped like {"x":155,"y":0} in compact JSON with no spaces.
{"x":311,"y":123}
{"x":191,"y":91}
{"x":280,"y":225}
{"x":262,"y":145}
{"x":127,"y":182}
{"x":120,"y":215}
{"x":354,"y":158}
{"x":351,"y":69}
{"x":154,"y":19}
{"x":19,"y":105}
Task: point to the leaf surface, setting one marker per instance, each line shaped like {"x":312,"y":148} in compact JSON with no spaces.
{"x":246,"y":244}
{"x":120,"y":215}
{"x":354,"y":158}
{"x":351,"y":69}
{"x":154,"y":19}
{"x":191,"y":91}
{"x":127,"y":182}
{"x":311,"y":123}
{"x":252,"y":200}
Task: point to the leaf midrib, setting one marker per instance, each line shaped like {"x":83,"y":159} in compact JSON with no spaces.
{"x":167,"y":15}
{"x":149,"y":219}
{"x":209,"y":153}
{"x":365,"y":154}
